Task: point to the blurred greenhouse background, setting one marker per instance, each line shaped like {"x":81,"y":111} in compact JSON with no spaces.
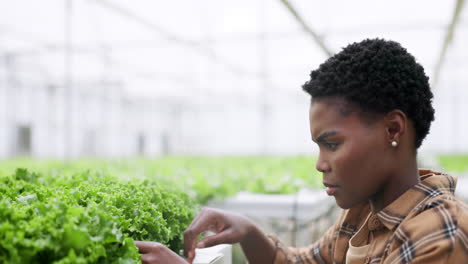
{"x":112,"y":78}
{"x":205,"y":96}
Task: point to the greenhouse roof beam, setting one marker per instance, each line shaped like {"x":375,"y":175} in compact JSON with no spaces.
{"x":448,"y":38}
{"x":307,"y":28}
{"x":192,"y":44}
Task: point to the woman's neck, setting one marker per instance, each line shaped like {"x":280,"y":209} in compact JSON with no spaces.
{"x":397,"y":184}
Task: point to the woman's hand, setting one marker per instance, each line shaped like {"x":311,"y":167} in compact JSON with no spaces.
{"x":229,"y":228}
{"x":157,"y":253}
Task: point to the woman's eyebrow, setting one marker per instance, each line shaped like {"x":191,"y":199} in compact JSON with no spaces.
{"x":325,"y":135}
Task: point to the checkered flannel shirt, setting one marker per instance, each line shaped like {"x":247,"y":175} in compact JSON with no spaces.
{"x":426,"y":224}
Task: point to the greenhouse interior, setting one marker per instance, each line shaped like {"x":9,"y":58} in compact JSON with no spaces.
{"x":121,"y":120}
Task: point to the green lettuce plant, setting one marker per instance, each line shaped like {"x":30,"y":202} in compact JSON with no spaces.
{"x":86,"y":218}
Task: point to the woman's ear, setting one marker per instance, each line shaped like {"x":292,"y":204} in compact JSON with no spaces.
{"x":395,"y":123}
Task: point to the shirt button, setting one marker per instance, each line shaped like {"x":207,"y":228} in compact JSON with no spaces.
{"x":374,"y":223}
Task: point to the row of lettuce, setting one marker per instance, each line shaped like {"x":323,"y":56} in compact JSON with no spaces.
{"x":202,"y":178}
{"x":455,"y":163}
{"x":92,"y":211}
{"x":86,"y":217}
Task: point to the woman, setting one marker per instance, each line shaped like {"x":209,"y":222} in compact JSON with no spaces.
{"x":370,"y":111}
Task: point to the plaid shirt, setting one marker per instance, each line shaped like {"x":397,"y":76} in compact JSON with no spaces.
{"x":426,"y":224}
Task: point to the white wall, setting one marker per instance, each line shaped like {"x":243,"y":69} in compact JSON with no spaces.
{"x":204,"y":129}
{"x":197,"y":124}
{"x":96,"y":110}
{"x":3,"y":113}
{"x":239,"y":129}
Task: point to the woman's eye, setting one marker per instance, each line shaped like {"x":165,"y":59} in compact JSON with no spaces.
{"x":331,"y":146}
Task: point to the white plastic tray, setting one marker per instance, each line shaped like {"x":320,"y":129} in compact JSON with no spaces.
{"x":220,"y":254}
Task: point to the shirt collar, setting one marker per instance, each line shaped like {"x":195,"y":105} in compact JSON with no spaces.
{"x":432,"y":184}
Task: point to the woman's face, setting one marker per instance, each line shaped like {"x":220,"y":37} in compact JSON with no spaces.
{"x":352,"y":153}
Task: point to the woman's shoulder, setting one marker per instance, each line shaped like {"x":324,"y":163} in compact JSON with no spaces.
{"x":443,"y":215}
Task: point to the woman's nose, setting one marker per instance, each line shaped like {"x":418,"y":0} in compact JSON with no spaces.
{"x":322,"y":165}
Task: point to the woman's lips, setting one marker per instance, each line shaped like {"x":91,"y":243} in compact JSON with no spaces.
{"x":331,"y":190}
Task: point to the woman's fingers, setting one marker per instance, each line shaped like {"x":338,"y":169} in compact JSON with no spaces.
{"x":197,"y":218}
{"x":148,"y":259}
{"x":190,"y":238}
{"x":157,"y":253}
{"x":192,"y":232}
{"x":146,"y":246}
{"x":208,"y":219}
{"x":210,"y":241}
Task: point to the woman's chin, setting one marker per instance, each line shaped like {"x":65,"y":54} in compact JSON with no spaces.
{"x":345,"y":203}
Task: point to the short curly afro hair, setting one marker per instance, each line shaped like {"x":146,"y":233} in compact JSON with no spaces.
{"x":378,"y":76}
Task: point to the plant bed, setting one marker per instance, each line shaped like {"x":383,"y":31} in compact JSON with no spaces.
{"x":86,"y":218}
{"x":456,"y":163}
{"x":202,"y":178}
